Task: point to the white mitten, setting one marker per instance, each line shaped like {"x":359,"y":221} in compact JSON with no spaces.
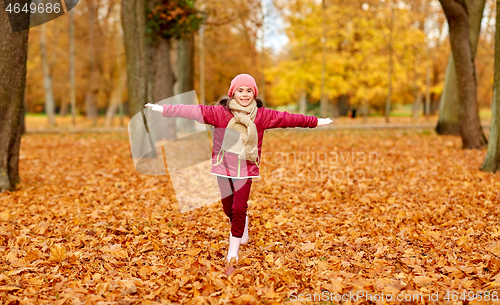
{"x":322,"y":122}
{"x":154,"y":107}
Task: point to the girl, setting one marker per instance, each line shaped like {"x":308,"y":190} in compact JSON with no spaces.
{"x":236,"y":155}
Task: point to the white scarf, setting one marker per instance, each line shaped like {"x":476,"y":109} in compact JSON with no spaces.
{"x":246,"y":139}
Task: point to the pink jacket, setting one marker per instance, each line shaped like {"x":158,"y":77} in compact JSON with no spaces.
{"x":225,"y":163}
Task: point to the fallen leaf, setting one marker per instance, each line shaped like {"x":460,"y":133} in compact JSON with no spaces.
{"x":129,"y":287}
{"x":5,"y":215}
{"x":145,"y":271}
{"x":57,"y":253}
{"x":9,"y":288}
{"x":192,"y":252}
{"x":270,"y":259}
{"x":494,"y":248}
{"x":423,"y":280}
{"x":496,"y":278}
{"x":229,"y":270}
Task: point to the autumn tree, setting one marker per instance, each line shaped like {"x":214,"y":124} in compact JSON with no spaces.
{"x":13,"y":55}
{"x":169,"y":21}
{"x":356,"y":53}
{"x":93,"y":87}
{"x":230,"y":38}
{"x":71,"y":61}
{"x":449,"y":120}
{"x":115,"y":101}
{"x":492,"y":160}
{"x":136,"y":49}
{"x":458,"y":23}
{"x":47,"y":79}
{"x":72,"y":78}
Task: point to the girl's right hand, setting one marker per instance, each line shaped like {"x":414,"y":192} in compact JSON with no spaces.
{"x":158,"y":108}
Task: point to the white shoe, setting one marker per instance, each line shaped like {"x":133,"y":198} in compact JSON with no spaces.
{"x":234,"y":246}
{"x":245,"y":237}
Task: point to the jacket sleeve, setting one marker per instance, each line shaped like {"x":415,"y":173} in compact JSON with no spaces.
{"x":283,"y":119}
{"x":201,"y":113}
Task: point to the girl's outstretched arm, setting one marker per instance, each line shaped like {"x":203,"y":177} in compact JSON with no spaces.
{"x":283,"y":119}
{"x":201,"y":113}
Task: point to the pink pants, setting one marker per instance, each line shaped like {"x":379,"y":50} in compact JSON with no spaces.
{"x":234,"y":194}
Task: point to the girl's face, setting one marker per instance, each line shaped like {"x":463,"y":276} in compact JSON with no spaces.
{"x":244,"y":96}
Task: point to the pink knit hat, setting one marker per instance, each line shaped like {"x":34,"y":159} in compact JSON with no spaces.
{"x":243,"y":80}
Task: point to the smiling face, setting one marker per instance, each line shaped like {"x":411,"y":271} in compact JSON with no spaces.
{"x":244,"y":96}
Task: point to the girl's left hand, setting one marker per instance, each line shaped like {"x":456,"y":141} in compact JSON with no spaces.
{"x":322,"y":122}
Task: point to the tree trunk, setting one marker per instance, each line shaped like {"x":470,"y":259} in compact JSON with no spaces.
{"x":323,"y":106}
{"x":90,"y":98}
{"x":344,"y":105}
{"x":434,"y":96}
{"x":341,"y":106}
{"x":449,"y":121}
{"x":116,"y":97}
{"x":303,"y":102}
{"x":323,"y":103}
{"x":47,"y":79}
{"x":427,"y":108}
{"x":120,"y":111}
{"x":72,"y":93}
{"x":389,"y":89}
{"x":416,"y":104}
{"x":470,"y":125}
{"x":202,"y":64}
{"x":64,"y":107}
{"x":164,"y":77}
{"x":492,"y":160}
{"x":262,"y":84}
{"x":13,"y":55}
{"x":22,"y":117}
{"x":365,"y":109}
{"x":136,"y":51}
{"x":164,"y":80}
{"x":185,"y":73}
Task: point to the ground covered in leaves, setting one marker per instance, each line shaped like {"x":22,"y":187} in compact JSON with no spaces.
{"x":414,"y":219}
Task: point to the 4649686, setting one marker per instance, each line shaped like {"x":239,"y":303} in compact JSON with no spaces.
{"x":34,"y":8}
{"x":471,"y":296}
